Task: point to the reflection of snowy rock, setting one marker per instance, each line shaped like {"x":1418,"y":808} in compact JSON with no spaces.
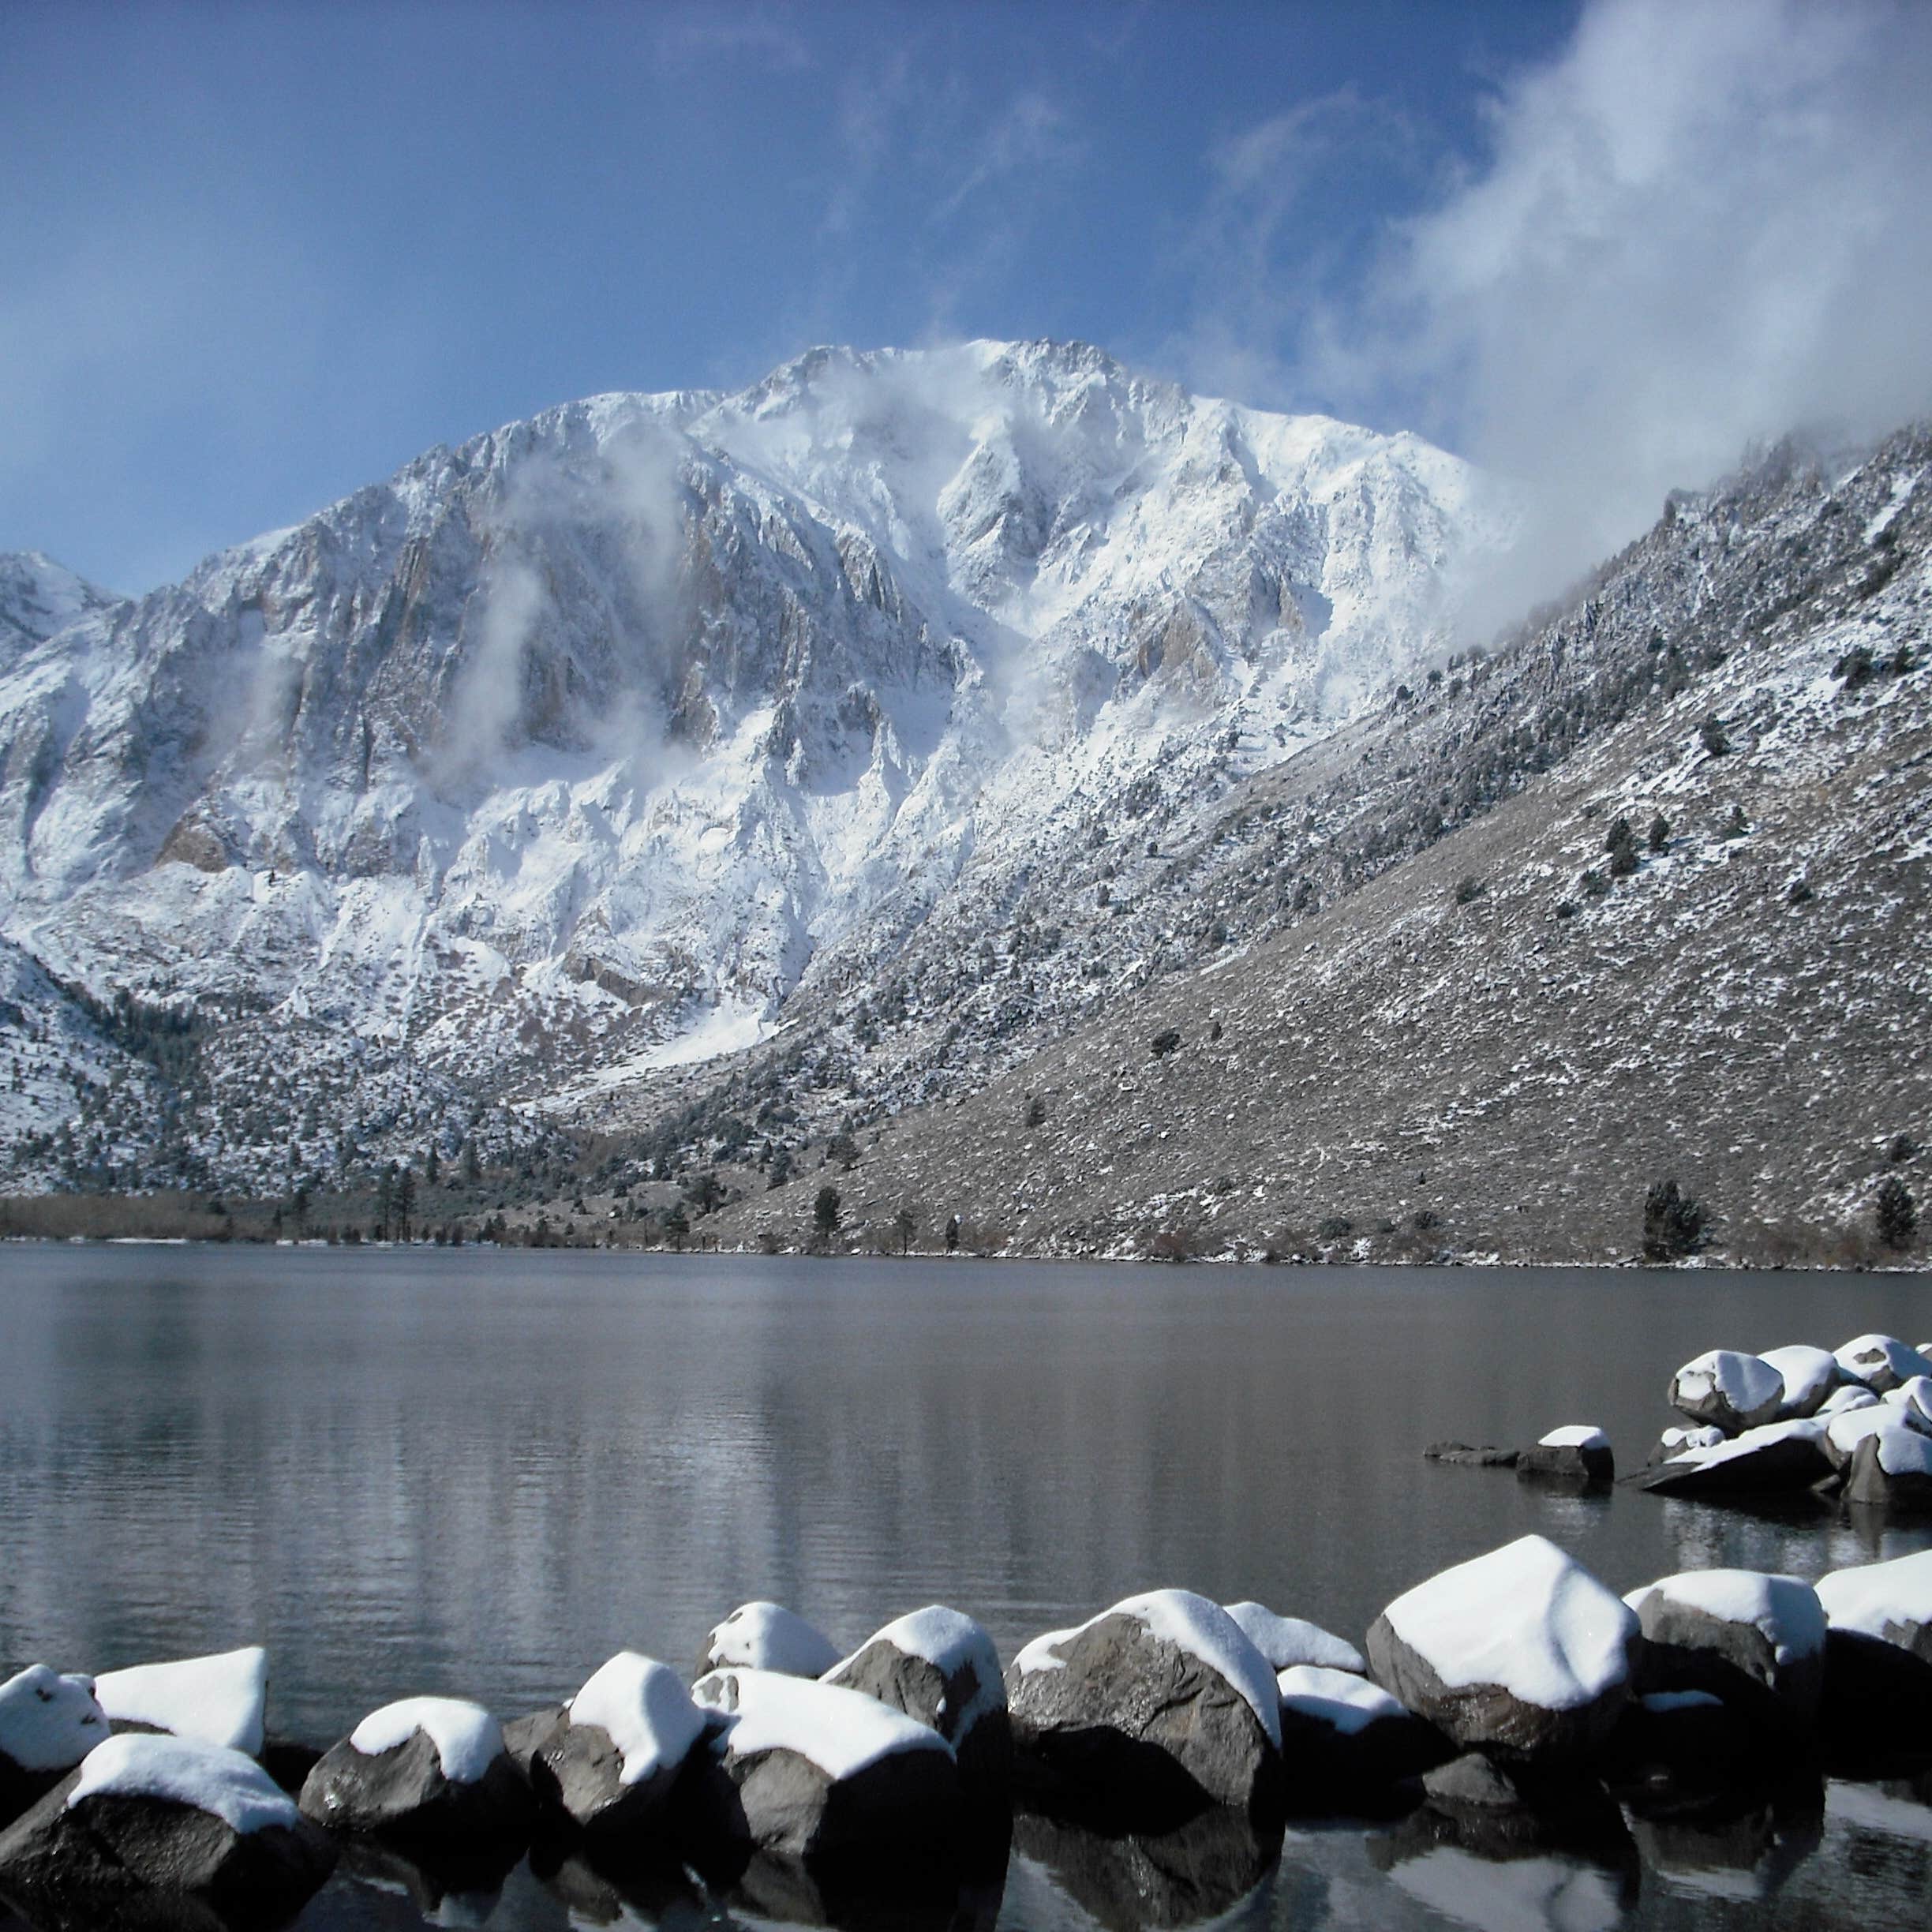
{"x":1891,"y":1601}
{"x":1521,"y":1653}
{"x":1505,"y":1811}
{"x":1892,"y":1468}
{"x":1198,"y":1871}
{"x":1882,"y":1361}
{"x":446,"y":1888}
{"x":219,"y":1700}
{"x":1810,"y":1376}
{"x":1286,"y":1641}
{"x":1731,"y":1390}
{"x":147,"y":1820}
{"x":1153,"y":1708}
{"x":1775,"y":1460}
{"x":1340,"y":1730}
{"x":768,"y":1637}
{"x":942,"y":1668}
{"x":431,"y":1769}
{"x":48,"y":1724}
{"x":1742,"y":1848}
{"x":1577,"y":1453}
{"x":814,"y":1770}
{"x":611,"y":1763}
{"x":1755,"y":1642}
{"x":1538,"y":1893}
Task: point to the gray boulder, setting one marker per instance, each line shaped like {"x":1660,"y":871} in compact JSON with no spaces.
{"x":615,"y":1757}
{"x":1341,"y":1735}
{"x":611,"y":1764}
{"x":1892,"y":1469}
{"x":1521,"y":1653}
{"x":523,"y":1737}
{"x":1145,"y":1714}
{"x":1780,"y":1458}
{"x":817,"y":1772}
{"x":1881,"y":1361}
{"x":1732,"y":1392}
{"x":153,"y":1828}
{"x":1892,"y":1601}
{"x":1755,"y":1641}
{"x":1578,"y":1453}
{"x":941,"y":1668}
{"x":1471,"y":1455}
{"x":433,"y":1770}
{"x":1811,"y":1376}
{"x":48,"y":1724}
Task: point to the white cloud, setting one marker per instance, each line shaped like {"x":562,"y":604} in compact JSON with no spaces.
{"x":1705,"y":224}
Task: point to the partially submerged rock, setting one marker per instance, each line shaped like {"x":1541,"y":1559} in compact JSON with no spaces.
{"x":1778,"y":1459}
{"x":217,"y":1700}
{"x":1755,"y":1642}
{"x":1151,"y":1710}
{"x":147,"y":1820}
{"x":430,"y":1769}
{"x":815,"y":1770}
{"x":941,"y":1668}
{"x":48,"y":1724}
{"x":1287,"y":1642}
{"x":1882,"y":1361}
{"x":1341,"y":1733}
{"x":1578,"y":1453}
{"x":1733,"y":1392}
{"x":1892,"y":1469}
{"x":610,"y":1765}
{"x":1890,"y":1601}
{"x":1471,"y":1455}
{"x":1521,"y":1653}
{"x":767,"y":1637}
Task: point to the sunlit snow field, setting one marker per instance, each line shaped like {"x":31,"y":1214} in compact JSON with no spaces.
{"x":481,"y":1473}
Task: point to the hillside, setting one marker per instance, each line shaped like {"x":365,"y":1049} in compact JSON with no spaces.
{"x":1423,"y":1015}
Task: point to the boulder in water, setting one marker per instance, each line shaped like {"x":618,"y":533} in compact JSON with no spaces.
{"x":1287,"y":1642}
{"x":1810,"y":1376}
{"x":1882,"y":1361}
{"x":1890,"y":1601}
{"x":432,"y":1769}
{"x":610,"y":1765}
{"x":1522,"y":1653}
{"x":1780,"y":1458}
{"x":1732,"y":1392}
{"x":767,"y":1637}
{"x":1755,"y":1642}
{"x":1146,"y":1713}
{"x":1892,"y":1469}
{"x":1578,"y":1453}
{"x":48,"y":1724}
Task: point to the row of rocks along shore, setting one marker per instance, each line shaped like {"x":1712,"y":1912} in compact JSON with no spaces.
{"x":1512,"y":1698}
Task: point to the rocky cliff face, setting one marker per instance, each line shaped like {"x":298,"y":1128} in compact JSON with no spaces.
{"x":616,"y":739}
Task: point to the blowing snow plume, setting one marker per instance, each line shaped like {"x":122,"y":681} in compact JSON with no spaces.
{"x":1703,"y":226}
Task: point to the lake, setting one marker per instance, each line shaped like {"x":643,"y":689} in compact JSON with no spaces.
{"x":479,"y":1474}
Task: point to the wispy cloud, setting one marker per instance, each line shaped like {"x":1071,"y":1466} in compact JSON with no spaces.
{"x":1703,"y":225}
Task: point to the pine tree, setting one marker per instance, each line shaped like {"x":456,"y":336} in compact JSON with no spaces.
{"x":405,"y":1203}
{"x":1897,"y":1213}
{"x":825,"y":1216}
{"x":1674,"y":1225}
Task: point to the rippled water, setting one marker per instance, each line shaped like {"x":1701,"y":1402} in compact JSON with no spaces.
{"x":481,"y":1474}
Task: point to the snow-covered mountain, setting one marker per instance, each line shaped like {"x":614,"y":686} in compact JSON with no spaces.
{"x":588,"y":746}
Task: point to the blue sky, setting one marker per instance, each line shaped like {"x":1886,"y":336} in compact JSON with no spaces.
{"x":259,"y":256}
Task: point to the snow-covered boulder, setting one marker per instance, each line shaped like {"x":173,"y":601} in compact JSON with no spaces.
{"x":1913,"y":1400}
{"x":1675,"y":1442}
{"x":1882,"y":1361}
{"x":611,"y":1764}
{"x":814,"y":1770}
{"x":940,"y":1667}
{"x":1148,"y":1711}
{"x":1844,"y":1432}
{"x":767,"y":1637}
{"x":217,"y":1700}
{"x":1892,"y":1469}
{"x":428,"y":1769}
{"x":1809,"y":1375}
{"x":1891,"y":1600}
{"x":1339,"y":1729}
{"x":1754,"y":1641}
{"x":1287,"y":1642}
{"x":1579,"y":1452}
{"x":1844,"y":1398}
{"x":1733,"y":1392}
{"x":147,"y":1823}
{"x":1521,"y":1653}
{"x":1777,"y":1459}
{"x":48,"y":1724}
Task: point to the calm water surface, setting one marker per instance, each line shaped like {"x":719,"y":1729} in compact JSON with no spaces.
{"x":481,"y":1474}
